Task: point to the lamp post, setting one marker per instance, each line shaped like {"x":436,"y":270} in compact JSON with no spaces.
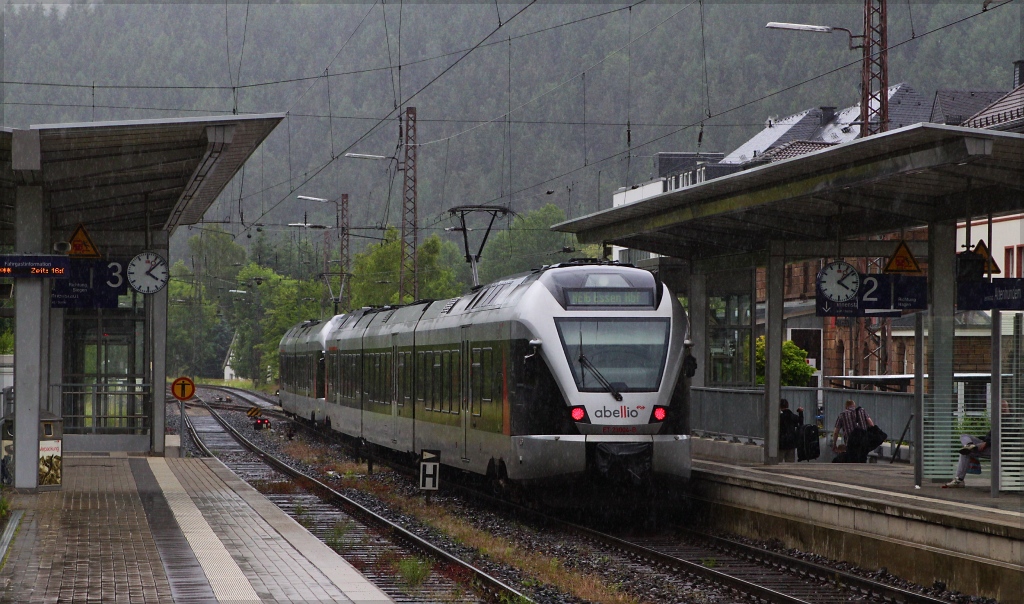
{"x":874,"y":72}
{"x":341,"y":226}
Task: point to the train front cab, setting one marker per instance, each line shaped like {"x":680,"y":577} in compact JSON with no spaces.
{"x":570,"y":422}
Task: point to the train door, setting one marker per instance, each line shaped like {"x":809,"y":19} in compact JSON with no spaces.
{"x":466,"y":394}
{"x":396,"y":395}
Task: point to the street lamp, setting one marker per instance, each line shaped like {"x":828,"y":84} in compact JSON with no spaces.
{"x":874,"y":71}
{"x":342,"y":243}
{"x":822,"y":29}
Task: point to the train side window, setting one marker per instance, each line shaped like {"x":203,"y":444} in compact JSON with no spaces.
{"x":487,"y":379}
{"x":446,"y":383}
{"x":455,"y":401}
{"x":435,"y":385}
{"x":476,"y":382}
{"x":419,"y":378}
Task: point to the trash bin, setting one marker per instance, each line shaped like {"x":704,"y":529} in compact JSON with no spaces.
{"x":51,"y":437}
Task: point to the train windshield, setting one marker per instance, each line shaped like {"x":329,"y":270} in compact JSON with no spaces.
{"x":615,"y":355}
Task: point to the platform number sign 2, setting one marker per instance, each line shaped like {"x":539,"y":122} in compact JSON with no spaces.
{"x":430,"y":468}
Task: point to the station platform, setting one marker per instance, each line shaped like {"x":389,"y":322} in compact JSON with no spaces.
{"x":156,"y":529}
{"x":871,"y":515}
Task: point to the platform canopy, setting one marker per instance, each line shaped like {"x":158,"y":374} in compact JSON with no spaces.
{"x":127,"y":176}
{"x":901,"y":179}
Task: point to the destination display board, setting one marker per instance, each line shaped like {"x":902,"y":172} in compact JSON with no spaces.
{"x":1000,"y":294}
{"x":609,"y":297}
{"x":20,"y":266}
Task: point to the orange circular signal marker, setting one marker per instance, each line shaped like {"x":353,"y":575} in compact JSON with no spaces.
{"x":183,"y":388}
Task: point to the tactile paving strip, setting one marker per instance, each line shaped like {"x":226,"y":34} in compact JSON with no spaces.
{"x":187,"y":580}
{"x":225,"y":577}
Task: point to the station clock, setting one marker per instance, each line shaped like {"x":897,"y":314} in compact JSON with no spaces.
{"x":148,"y":273}
{"x":839,"y":281}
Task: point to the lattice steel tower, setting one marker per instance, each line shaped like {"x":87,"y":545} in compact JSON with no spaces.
{"x":408,"y":289}
{"x":343,"y":253}
{"x":874,"y":76}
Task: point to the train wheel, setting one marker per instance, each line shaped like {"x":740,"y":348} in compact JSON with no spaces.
{"x":500,"y":484}
{"x":327,"y":422}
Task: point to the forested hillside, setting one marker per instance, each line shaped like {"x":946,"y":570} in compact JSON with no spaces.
{"x":545,"y":107}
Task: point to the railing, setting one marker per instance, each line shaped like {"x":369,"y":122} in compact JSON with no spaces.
{"x":737,"y":414}
{"x":112,"y":408}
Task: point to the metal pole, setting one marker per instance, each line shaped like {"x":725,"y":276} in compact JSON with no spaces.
{"x":918,"y":398}
{"x":181,"y":429}
{"x":996,"y":397}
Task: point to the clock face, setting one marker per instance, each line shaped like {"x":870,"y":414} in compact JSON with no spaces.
{"x":839,"y":281}
{"x":148,"y":273}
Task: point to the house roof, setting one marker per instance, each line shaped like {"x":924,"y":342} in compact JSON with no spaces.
{"x":1006,"y":113}
{"x":954,"y":106}
{"x":906,"y":107}
{"x":793,"y":149}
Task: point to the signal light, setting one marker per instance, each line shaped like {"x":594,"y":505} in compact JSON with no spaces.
{"x":578,"y":413}
{"x":660,"y":413}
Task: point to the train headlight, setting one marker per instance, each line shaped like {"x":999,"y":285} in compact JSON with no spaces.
{"x":578,"y":414}
{"x":659,"y":414}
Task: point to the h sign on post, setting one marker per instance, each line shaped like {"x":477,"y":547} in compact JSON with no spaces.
{"x":430,"y":468}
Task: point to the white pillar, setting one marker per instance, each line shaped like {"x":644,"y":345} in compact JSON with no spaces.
{"x":775,"y":276}
{"x":30,"y":366}
{"x":156,"y":314}
{"x":698,"y":326}
{"x":937,"y":451}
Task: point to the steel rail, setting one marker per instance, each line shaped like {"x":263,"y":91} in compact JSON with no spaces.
{"x":194,"y":434}
{"x":491,"y":585}
{"x":862,"y":584}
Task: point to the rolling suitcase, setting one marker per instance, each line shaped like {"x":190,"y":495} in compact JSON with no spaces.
{"x":808,"y":447}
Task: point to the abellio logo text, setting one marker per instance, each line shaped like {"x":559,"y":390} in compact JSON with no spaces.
{"x":621,"y":412}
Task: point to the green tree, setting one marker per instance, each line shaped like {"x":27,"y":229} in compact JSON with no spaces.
{"x":375,"y":271}
{"x":795,"y":370}
{"x":259,"y":310}
{"x":195,"y":335}
{"x":216,"y":258}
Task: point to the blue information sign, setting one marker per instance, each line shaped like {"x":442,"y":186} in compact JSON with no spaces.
{"x":879,"y":295}
{"x":50,"y":266}
{"x":91,"y":284}
{"x":1000,"y":294}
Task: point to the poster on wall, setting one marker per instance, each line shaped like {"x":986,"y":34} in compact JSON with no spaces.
{"x":49,"y":462}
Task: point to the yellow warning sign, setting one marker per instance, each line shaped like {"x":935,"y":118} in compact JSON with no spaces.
{"x":902,"y":261}
{"x":81,"y":245}
{"x":990,"y":264}
{"x":254,"y":412}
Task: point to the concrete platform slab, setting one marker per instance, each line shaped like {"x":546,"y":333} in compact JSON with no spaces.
{"x":873,"y":516}
{"x":167,"y":530}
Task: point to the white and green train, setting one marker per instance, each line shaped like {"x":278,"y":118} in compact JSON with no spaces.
{"x":570,"y":371}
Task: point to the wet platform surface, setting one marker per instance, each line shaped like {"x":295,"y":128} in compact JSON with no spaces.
{"x":154,"y":529}
{"x":884,"y":481}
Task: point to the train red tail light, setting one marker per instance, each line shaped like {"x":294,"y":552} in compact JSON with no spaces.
{"x":578,"y":414}
{"x":659,"y":414}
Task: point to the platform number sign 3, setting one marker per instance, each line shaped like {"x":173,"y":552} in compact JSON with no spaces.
{"x":148,"y":273}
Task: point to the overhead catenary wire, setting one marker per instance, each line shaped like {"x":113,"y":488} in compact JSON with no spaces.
{"x":763,"y":97}
{"x":374,"y":128}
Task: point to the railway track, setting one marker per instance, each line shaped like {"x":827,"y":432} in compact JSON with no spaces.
{"x":370,"y":542}
{"x":746,"y":572}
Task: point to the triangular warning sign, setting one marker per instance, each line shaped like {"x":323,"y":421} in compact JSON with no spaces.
{"x":81,"y":245}
{"x":990,"y":265}
{"x":902,"y":261}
